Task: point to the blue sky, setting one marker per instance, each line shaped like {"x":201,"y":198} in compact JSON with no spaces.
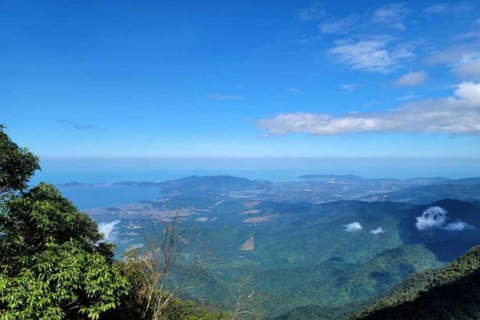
{"x":214,"y":79}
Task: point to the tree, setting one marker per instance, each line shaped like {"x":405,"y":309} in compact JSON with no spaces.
{"x":161,"y":271}
{"x":53,"y":264}
{"x":17,"y":165}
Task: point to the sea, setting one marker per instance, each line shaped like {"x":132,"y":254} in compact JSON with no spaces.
{"x":106,"y":194}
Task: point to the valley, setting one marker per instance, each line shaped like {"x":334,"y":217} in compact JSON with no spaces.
{"x":320,"y":243}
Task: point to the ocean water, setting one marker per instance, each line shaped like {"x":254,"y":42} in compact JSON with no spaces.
{"x":108,"y":171}
{"x":91,"y":197}
{"x":108,"y":195}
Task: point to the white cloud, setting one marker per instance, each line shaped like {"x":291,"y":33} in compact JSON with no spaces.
{"x":435,"y":218}
{"x":293,"y":90}
{"x":462,"y":52}
{"x":432,"y":218}
{"x":458,"y":114}
{"x":224,"y":97}
{"x":458,"y":226}
{"x":468,"y":70}
{"x":391,"y":15}
{"x":377,"y":231}
{"x":412,"y":78}
{"x":348,"y":86}
{"x":107,"y":229}
{"x":339,"y":26}
{"x":463,"y":58}
{"x":372,"y":55}
{"x":353,"y":227}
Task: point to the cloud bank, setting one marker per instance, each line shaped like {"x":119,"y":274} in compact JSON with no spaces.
{"x":353,"y":227}
{"x":457,"y":114}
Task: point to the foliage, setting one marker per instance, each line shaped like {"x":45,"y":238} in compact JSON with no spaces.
{"x":52,"y":263}
{"x":17,"y":165}
{"x":62,"y":281}
{"x":42,"y":216}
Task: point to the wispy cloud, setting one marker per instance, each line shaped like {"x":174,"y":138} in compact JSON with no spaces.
{"x":349,"y":86}
{"x":224,"y":97}
{"x":468,"y":70}
{"x":437,"y":8}
{"x":445,"y":8}
{"x":409,"y":97}
{"x":374,"y":55}
{"x":339,"y":25}
{"x":457,"y":114}
{"x":463,"y":59}
{"x":371,"y":104}
{"x":392,"y":15}
{"x":293,"y":90}
{"x":312,"y":13}
{"x":77,"y":125}
{"x":413,"y":78}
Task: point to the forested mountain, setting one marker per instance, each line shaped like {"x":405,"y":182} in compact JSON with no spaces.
{"x":203,"y":184}
{"x":452,"y":292}
{"x":331,"y":255}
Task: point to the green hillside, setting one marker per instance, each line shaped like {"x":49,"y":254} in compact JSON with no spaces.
{"x":305,"y":259}
{"x":451,"y":292}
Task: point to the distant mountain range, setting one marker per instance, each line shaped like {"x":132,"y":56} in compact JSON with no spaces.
{"x":409,"y":181}
{"x":308,"y":259}
{"x":319,"y":188}
{"x":431,"y":193}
